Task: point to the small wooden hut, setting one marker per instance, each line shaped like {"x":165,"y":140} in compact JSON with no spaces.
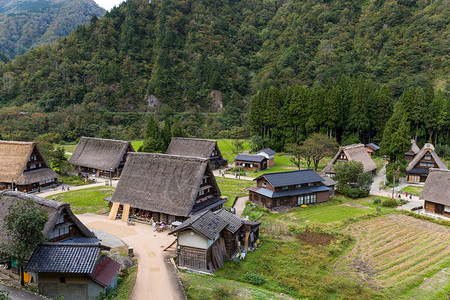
{"x":251,"y":162}
{"x":436,"y":192}
{"x":356,"y":152}
{"x":207,"y":149}
{"x":165,"y":188}
{"x":269,"y":154}
{"x":23,"y":167}
{"x":101,"y":157}
{"x":418,"y":168}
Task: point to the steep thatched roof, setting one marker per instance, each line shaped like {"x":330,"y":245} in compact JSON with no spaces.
{"x":162,"y":183}
{"x":427,"y":148}
{"x":437,"y":187}
{"x":100,"y":154}
{"x":191,"y":147}
{"x":355,"y":152}
{"x":13,"y":161}
{"x":414,"y":147}
{"x":53,"y":208}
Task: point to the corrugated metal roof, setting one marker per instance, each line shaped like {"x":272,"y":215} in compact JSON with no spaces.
{"x":292,"y":192}
{"x":250,"y":158}
{"x":292,"y":178}
{"x":105,"y":270}
{"x":64,"y":258}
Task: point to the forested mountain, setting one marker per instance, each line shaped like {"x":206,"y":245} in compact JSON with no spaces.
{"x":26,"y":24}
{"x":182,"y":55}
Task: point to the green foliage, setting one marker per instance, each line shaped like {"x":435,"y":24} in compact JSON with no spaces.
{"x":390,"y":203}
{"x":396,"y":169}
{"x":4,"y":295}
{"x":256,"y":279}
{"x":351,"y":179}
{"x":154,"y":141}
{"x":237,"y":146}
{"x":377,"y":201}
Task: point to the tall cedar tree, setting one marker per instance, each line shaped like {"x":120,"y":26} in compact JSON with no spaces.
{"x":153,"y":142}
{"x":24,"y":224}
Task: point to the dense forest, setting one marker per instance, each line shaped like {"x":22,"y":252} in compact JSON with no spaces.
{"x":26,"y":24}
{"x":208,"y":62}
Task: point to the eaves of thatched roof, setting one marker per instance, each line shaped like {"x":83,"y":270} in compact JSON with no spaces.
{"x":53,"y":208}
{"x":14,"y":157}
{"x":437,"y":187}
{"x":162,"y":183}
{"x":355,"y":152}
{"x":427,"y":148}
{"x":191,"y":147}
{"x":100,"y":154}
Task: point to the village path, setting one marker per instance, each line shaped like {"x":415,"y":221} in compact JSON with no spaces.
{"x":240,"y":205}
{"x":16,"y":294}
{"x":157,"y":277}
{"x":59,"y":190}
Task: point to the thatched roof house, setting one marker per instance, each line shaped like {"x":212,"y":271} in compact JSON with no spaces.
{"x":409,"y":155}
{"x":62,"y":223}
{"x":356,"y":152}
{"x":167,"y":187}
{"x":23,"y":164}
{"x":436,"y":192}
{"x":101,"y":156}
{"x":423,"y":161}
{"x":207,"y":149}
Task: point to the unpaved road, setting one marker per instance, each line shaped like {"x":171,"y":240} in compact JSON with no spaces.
{"x":240,"y":205}
{"x":156,"y":277}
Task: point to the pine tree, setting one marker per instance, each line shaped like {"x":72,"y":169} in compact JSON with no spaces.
{"x":384,"y":110}
{"x":166,"y":133}
{"x":153,"y":141}
{"x":176,"y":128}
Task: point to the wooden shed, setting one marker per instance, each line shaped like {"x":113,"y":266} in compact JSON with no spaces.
{"x":251,"y":162}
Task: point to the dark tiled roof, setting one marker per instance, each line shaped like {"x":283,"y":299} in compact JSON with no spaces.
{"x":268,"y":151}
{"x":250,"y":157}
{"x":105,"y":270}
{"x":328,"y":181}
{"x":234,"y":223}
{"x":291,"y":178}
{"x":292,"y":192}
{"x":207,"y":224}
{"x":418,"y":170}
{"x":64,"y":258}
{"x":373,"y":146}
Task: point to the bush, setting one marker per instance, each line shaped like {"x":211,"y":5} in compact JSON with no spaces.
{"x":355,"y":192}
{"x":389,"y":203}
{"x":377,"y":201}
{"x":256,"y":279}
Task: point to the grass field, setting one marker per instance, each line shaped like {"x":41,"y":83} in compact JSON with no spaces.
{"x":226,"y":148}
{"x":233,"y":188}
{"x":412,"y":189}
{"x":86,"y":200}
{"x":395,"y":253}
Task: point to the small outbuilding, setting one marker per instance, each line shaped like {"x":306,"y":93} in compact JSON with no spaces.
{"x":24,"y":168}
{"x":205,"y":241}
{"x":418,"y":168}
{"x":436,"y":192}
{"x":269,"y":154}
{"x":101,"y":157}
{"x":251,"y":162}
{"x":371,"y":148}
{"x":411,"y":153}
{"x":72,"y":271}
{"x":207,"y":149}
{"x":289,"y":189}
{"x":356,"y":152}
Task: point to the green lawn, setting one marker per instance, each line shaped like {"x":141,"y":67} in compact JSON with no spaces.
{"x":226,"y":148}
{"x":233,"y":188}
{"x":86,"y":200}
{"x":412,"y":189}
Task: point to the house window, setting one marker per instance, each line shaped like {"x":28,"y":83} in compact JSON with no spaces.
{"x":264,"y":184}
{"x":313,"y":198}
{"x":307,"y":199}
{"x":298,"y":185}
{"x":32,"y":167}
{"x":343,"y":156}
{"x":284,"y":187}
{"x":428,"y":157}
{"x":447,"y":209}
{"x":62,"y":279}
{"x":300,"y":200}
{"x":60,"y":219}
{"x":310,"y":184}
{"x":424,"y":164}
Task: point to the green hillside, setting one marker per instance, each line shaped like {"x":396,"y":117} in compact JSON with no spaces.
{"x":26,"y":24}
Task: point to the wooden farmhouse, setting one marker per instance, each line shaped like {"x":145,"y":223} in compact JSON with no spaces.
{"x":23,"y":167}
{"x":207,"y":149}
{"x":289,"y":189}
{"x":269,"y":154}
{"x":206,"y":240}
{"x":62,"y":224}
{"x":251,"y":162}
{"x":165,"y":187}
{"x":412,"y":152}
{"x":356,"y":152}
{"x":371,"y":148}
{"x":101,"y":157}
{"x":436,"y":192}
{"x":418,"y":168}
{"x":72,"y":271}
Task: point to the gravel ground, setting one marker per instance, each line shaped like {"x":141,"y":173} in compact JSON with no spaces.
{"x":107,"y":239}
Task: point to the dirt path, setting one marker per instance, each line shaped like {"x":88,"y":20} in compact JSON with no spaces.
{"x":81,"y":187}
{"x":16,"y":294}
{"x":240,"y":205}
{"x":157,"y":277}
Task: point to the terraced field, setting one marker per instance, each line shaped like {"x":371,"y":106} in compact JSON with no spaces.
{"x":396,"y":252}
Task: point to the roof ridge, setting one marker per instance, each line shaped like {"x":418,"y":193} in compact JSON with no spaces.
{"x":352,"y":146}
{"x":107,"y":140}
{"x":303,"y":170}
{"x":170,"y":156}
{"x":17,"y":142}
{"x":35,"y":199}
{"x":193,"y":139}
{"x":439,"y":170}
{"x":71,"y":244}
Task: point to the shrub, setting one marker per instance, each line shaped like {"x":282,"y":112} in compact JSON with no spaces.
{"x":377,"y":201}
{"x":256,"y":279}
{"x":355,"y":192}
{"x":389,"y":203}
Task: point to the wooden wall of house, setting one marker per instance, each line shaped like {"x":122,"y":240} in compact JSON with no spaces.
{"x":323,"y":196}
{"x":436,"y":208}
{"x":260,"y":182}
{"x":230,"y":242}
{"x":194,"y":258}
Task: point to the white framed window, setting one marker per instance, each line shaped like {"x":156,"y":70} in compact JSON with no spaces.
{"x":60,"y":219}
{"x":284,"y":187}
{"x":300,"y":200}
{"x":310,"y":184}
{"x":307,"y":199}
{"x":447,"y":208}
{"x":264,"y":184}
{"x":298,"y":185}
{"x":427,"y":157}
{"x":313,"y":198}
